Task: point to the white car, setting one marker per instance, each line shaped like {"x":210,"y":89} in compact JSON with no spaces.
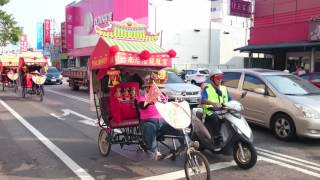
{"x":196,"y":76}
{"x":176,"y":88}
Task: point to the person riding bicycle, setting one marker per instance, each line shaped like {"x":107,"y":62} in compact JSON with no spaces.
{"x":213,"y":96}
{"x":152,"y":123}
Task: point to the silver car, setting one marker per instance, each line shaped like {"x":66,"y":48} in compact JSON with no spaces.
{"x":176,"y":88}
{"x":283,"y":102}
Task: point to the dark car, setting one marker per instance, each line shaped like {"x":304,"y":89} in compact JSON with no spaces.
{"x":314,"y":78}
{"x":53,"y":76}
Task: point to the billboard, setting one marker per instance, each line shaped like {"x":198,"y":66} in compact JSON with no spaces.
{"x":39,"y":35}
{"x":314,"y":30}
{"x":23,"y":43}
{"x":240,"y":8}
{"x":46,"y":34}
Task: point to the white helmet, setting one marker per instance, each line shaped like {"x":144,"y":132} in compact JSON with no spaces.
{"x":215,"y":72}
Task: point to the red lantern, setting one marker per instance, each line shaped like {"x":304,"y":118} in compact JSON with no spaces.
{"x":34,"y":58}
{"x":172,"y":53}
{"x":113,"y":50}
{"x":144,"y":55}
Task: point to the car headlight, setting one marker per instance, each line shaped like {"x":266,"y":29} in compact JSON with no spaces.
{"x":60,"y":76}
{"x":308,"y":112}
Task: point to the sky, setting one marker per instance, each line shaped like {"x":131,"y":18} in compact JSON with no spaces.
{"x":29,"y":12}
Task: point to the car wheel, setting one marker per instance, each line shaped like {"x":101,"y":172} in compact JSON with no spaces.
{"x":283,"y":127}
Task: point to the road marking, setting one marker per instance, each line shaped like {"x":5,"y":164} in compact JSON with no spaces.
{"x":305,"y":171}
{"x":80,"y":172}
{"x":288,"y":157}
{"x":181,"y":174}
{"x":69,"y":96}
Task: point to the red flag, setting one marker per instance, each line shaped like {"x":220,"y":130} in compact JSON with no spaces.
{"x":153,"y":94}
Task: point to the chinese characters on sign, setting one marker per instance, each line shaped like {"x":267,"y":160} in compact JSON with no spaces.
{"x":46,"y":34}
{"x":69,"y":27}
{"x":23,"y":43}
{"x":63,"y":37}
{"x":240,"y":8}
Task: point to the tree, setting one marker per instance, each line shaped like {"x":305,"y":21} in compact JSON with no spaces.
{"x":9,"y":30}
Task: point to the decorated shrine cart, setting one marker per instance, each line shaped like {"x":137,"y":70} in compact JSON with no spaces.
{"x":9,"y":71}
{"x":125,"y":55}
{"x":33,"y":66}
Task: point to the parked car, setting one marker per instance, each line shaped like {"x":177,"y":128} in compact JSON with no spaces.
{"x":195,"y":76}
{"x":314,"y":78}
{"x":176,"y":88}
{"x":283,"y":102}
{"x":53,"y":76}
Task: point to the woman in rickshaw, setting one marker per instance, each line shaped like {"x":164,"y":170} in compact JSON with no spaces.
{"x":152,"y":123}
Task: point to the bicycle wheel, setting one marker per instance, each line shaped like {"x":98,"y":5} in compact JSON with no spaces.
{"x":104,"y":143}
{"x":196,"y":166}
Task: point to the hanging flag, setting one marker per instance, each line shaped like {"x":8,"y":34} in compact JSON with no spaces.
{"x":153,"y":94}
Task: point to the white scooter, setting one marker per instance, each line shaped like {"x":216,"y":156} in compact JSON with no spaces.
{"x":236,"y":133}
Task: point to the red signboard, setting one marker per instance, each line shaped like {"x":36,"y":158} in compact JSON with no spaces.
{"x":46,"y":33}
{"x":70,"y":20}
{"x":23,"y":43}
{"x":63,"y":38}
{"x":240,"y":8}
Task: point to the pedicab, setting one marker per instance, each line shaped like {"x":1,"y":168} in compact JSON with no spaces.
{"x":33,"y":65}
{"x":124,"y":55}
{"x":9,"y":71}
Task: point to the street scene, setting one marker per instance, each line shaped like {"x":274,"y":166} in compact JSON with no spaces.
{"x":145,"y":89}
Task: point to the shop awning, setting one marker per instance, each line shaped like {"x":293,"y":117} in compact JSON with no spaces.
{"x":87,"y":51}
{"x":271,"y":47}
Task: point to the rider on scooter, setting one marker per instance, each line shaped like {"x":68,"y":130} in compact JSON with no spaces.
{"x":212,"y":98}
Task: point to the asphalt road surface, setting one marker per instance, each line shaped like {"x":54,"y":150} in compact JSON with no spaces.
{"x":57,"y":139}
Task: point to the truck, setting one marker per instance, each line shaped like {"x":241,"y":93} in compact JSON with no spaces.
{"x":77,"y":77}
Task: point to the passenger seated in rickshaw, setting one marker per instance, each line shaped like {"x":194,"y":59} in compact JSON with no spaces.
{"x":153,"y":125}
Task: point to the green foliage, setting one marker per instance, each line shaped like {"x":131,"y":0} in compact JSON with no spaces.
{"x":9,"y":30}
{"x":174,"y":69}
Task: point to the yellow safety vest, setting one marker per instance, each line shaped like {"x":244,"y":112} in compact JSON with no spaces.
{"x":214,"y":97}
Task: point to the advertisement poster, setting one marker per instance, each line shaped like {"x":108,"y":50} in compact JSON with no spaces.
{"x":40,"y":36}
{"x":46,"y":34}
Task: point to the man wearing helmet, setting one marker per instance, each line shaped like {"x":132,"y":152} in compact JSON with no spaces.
{"x":212,"y":98}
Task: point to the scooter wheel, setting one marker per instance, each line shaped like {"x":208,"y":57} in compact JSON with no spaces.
{"x":245,"y":155}
{"x":103,"y":143}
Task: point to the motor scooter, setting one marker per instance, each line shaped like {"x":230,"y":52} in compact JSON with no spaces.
{"x":236,"y":134}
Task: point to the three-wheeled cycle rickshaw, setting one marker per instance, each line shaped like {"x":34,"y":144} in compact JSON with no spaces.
{"x":124,"y":55}
{"x":32,"y":67}
{"x":9,"y":71}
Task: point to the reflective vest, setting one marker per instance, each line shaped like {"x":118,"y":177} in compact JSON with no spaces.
{"x":214,"y":97}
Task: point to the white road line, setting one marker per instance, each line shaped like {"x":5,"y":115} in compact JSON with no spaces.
{"x":291,"y":167}
{"x":288,"y":157}
{"x":288,"y":160}
{"x":69,"y":96}
{"x":80,"y":172}
{"x":181,"y":174}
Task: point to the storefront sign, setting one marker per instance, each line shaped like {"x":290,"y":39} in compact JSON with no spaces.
{"x":240,"y":8}
{"x":23,"y":43}
{"x":63,"y":38}
{"x":46,"y":29}
{"x":40,"y":36}
{"x":314,"y":30}
{"x":69,"y":27}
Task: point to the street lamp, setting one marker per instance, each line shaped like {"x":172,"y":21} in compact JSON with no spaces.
{"x":155,"y":16}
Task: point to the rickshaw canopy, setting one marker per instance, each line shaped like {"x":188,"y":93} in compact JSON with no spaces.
{"x":9,"y":60}
{"x":32,"y":58}
{"x":128,"y":44}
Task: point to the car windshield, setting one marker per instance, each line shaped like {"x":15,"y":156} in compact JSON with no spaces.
{"x":204,"y":71}
{"x":292,"y":85}
{"x":173,"y":78}
{"x":53,"y":70}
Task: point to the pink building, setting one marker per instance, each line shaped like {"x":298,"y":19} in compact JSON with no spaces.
{"x":289,"y":30}
{"x":82,"y":17}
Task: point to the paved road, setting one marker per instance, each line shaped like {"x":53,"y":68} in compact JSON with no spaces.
{"x":57,"y":139}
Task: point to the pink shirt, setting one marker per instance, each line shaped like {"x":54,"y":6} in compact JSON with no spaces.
{"x":150,"y":112}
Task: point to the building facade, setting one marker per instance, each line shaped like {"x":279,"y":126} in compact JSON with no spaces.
{"x":288,"y":31}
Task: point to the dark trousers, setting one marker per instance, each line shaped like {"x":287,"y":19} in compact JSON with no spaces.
{"x":156,"y":127}
{"x":213,"y":123}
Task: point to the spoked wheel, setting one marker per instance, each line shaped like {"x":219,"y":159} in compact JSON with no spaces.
{"x":245,"y":155}
{"x":104,"y":143}
{"x":196,"y":166}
